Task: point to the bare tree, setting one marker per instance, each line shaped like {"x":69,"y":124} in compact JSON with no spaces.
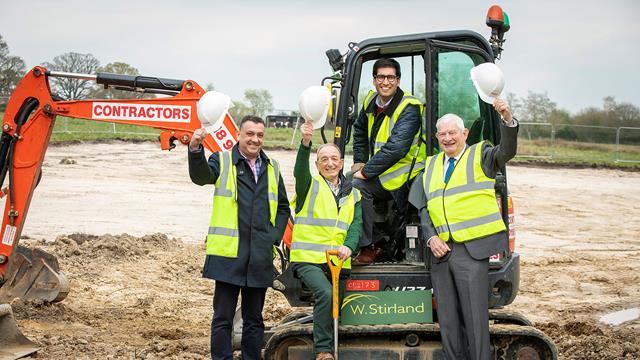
{"x":260,"y":101}
{"x":537,"y":107}
{"x":73,"y":89}
{"x":621,"y":114}
{"x":239,"y":110}
{"x":12,"y":69}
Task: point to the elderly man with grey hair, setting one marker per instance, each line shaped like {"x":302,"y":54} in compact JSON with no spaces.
{"x":463,"y":227}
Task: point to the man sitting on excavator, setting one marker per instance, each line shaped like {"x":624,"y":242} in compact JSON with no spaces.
{"x":387,"y":151}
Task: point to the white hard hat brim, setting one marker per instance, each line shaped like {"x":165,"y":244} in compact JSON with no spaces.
{"x":498,"y":82}
{"x":484,"y":96}
{"x":314,"y":105}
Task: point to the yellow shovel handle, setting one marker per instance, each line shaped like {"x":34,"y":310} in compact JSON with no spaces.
{"x":335,"y":280}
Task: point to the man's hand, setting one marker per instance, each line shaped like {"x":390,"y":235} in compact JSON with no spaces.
{"x":358,"y":175}
{"x":503,"y":109}
{"x":306,"y":129}
{"x":344,"y":253}
{"x":356,"y":167}
{"x":197,"y":138}
{"x":438,"y":247}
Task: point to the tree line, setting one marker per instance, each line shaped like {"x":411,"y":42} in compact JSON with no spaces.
{"x":12,"y":70}
{"x":585,"y":125}
{"x":592,"y":124}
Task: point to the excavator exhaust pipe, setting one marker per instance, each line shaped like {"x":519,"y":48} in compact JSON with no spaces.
{"x":13,"y":344}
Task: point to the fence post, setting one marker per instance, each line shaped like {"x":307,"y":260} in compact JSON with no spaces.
{"x":617,"y":145}
{"x":553,"y":141}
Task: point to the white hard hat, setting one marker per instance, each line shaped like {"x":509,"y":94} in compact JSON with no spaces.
{"x":314,"y":105}
{"x":488,"y":80}
{"x":212,"y":108}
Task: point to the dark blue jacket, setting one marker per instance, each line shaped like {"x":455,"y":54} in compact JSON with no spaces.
{"x":254,"y":265}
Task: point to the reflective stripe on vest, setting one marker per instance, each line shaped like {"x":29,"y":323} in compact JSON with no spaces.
{"x":396,"y":175}
{"x":319,"y":225}
{"x":465,"y":208}
{"x":222,"y":239}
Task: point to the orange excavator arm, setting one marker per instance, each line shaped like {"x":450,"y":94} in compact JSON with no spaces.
{"x":26,"y":129}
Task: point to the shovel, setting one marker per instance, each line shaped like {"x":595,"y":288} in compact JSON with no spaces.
{"x":335,"y":281}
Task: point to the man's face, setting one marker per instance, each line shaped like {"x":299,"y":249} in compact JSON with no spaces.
{"x":451,"y":138}
{"x":386,"y":82}
{"x":329,"y":162}
{"x":250,"y":138}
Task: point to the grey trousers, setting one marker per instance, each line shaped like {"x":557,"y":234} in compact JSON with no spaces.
{"x":461,"y":287}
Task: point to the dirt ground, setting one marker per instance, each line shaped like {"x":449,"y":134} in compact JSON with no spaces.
{"x":128,"y":226}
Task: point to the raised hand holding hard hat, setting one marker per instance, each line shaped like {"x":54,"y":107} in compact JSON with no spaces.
{"x":488,"y":80}
{"x":212,"y":109}
{"x":314,"y":105}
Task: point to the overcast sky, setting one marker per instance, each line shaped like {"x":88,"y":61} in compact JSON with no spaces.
{"x":578,"y":51}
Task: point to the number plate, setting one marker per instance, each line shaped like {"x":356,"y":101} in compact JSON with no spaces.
{"x":363,"y":285}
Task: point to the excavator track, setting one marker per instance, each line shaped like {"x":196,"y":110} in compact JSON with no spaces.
{"x":405,"y":341}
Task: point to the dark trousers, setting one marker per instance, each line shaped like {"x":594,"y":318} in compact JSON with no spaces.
{"x":371,"y":189}
{"x":461,"y":286}
{"x":225,"y":299}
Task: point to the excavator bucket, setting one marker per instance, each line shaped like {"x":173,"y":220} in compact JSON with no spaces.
{"x":13,"y":345}
{"x":34,"y":274}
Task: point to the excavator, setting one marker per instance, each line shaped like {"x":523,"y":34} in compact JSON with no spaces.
{"x":438,"y":66}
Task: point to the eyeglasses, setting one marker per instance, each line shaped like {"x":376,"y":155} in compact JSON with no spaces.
{"x":390,"y":78}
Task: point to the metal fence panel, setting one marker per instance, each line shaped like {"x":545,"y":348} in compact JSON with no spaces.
{"x":628,"y":144}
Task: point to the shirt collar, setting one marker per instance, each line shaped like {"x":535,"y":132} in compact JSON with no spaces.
{"x":379,"y":100}
{"x":390,"y":107}
{"x":334,"y":188}
{"x":236,"y":155}
{"x":446,"y":158}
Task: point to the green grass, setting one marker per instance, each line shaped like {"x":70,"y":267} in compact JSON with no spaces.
{"x":561,"y":152}
{"x":570,"y":152}
{"x":67,"y":129}
{"x":281,"y":138}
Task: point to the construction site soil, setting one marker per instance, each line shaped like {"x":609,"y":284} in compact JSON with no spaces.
{"x":127,"y":226}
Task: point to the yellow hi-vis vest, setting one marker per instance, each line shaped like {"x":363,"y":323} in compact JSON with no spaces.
{"x":319,"y":226}
{"x":398,"y":174}
{"x":465,"y":208}
{"x":222,"y":239}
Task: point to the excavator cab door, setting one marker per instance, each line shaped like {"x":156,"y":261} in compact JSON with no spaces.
{"x":452,"y":91}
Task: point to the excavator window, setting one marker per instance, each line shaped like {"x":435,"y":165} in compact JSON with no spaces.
{"x":455,"y":93}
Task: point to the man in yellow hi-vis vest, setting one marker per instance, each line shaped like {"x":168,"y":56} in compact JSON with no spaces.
{"x":328,"y":217}
{"x":387,"y":149}
{"x":250,"y":214}
{"x":463,"y":227}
